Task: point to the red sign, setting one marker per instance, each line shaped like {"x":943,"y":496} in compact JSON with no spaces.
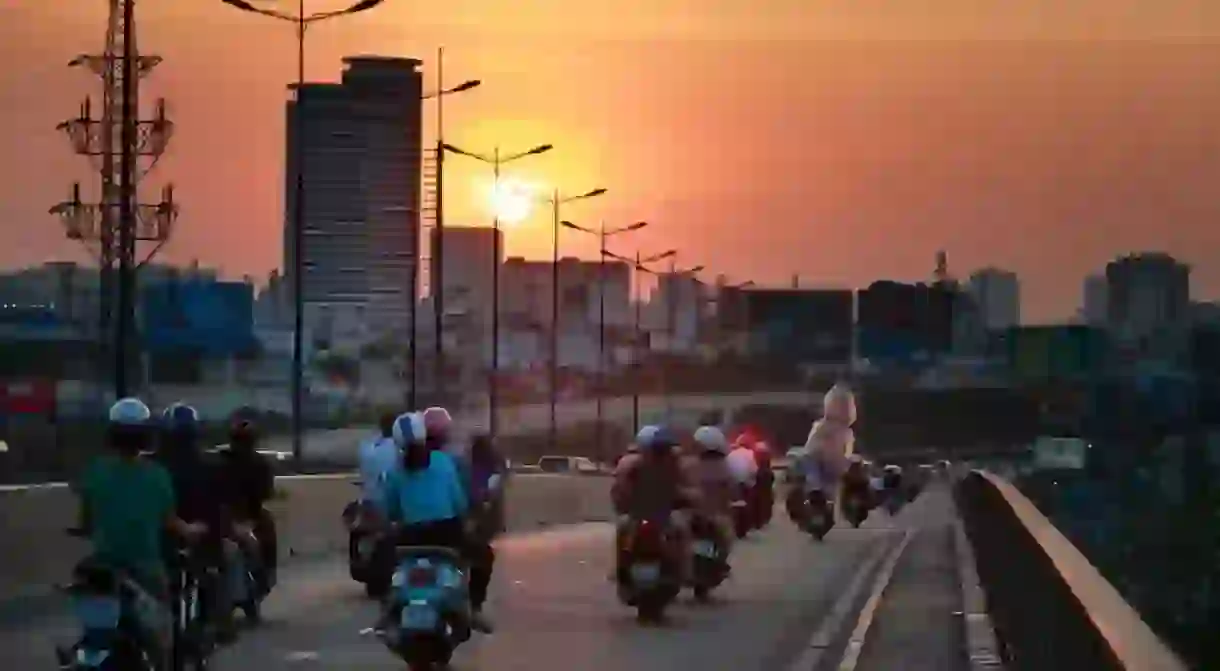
{"x":27,"y":397}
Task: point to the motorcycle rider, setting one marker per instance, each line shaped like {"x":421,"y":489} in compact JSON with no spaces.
{"x":126,"y":505}
{"x":378,"y":456}
{"x":426,"y":501}
{"x":652,"y":485}
{"x":708,"y":468}
{"x":486,"y":488}
{"x":250,"y":484}
{"x":744,"y":466}
{"x":830,"y":444}
{"x":198,"y":490}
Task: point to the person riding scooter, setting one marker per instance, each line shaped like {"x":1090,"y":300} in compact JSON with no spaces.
{"x":708,"y":469}
{"x":250,"y":485}
{"x":652,"y":486}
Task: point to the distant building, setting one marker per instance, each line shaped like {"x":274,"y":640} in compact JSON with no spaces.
{"x":1095,"y":304}
{"x":676,"y":311}
{"x":904,"y":323}
{"x":1148,"y":303}
{"x":362,"y":144}
{"x":471,"y":254}
{"x":996,"y":294}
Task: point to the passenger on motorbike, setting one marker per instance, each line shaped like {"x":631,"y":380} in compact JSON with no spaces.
{"x":439,"y":425}
{"x":831,"y":442}
{"x":198,"y":489}
{"x":425,"y":500}
{"x":743,"y":465}
{"x":486,"y":488}
{"x":250,"y":485}
{"x":127,"y":503}
{"x":378,"y":457}
{"x":653,"y":486}
{"x":708,"y":469}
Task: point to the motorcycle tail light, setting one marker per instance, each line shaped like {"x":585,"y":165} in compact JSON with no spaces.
{"x":647,"y":538}
{"x":421,"y":576}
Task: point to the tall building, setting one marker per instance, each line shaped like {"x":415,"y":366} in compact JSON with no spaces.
{"x":1094,"y":305}
{"x":527,"y":297}
{"x":677,"y":308}
{"x":997,"y":296}
{"x":471,"y":253}
{"x":362,"y":151}
{"x":1147,"y":293}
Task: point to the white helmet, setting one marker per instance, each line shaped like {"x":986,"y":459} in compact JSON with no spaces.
{"x":409,"y":430}
{"x":646,"y":435}
{"x":130,"y":412}
{"x":711,"y":439}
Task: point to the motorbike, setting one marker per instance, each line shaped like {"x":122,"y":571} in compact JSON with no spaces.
{"x":364,"y":534}
{"x":711,"y":561}
{"x":648,"y":580}
{"x":427,"y":587}
{"x":856,"y":505}
{"x":248,"y":584}
{"x":812,"y":512}
{"x":896,"y":490}
{"x":105,"y":606}
{"x":764,"y":499}
{"x":743,"y":516}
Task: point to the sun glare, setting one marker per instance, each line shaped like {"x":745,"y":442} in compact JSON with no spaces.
{"x":512,"y":201}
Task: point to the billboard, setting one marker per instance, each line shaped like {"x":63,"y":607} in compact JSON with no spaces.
{"x":802,"y":325}
{"x":207,"y":317}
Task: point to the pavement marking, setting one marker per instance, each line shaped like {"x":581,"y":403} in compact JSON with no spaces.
{"x":982,"y":646}
{"x":819,"y":645}
{"x":851,"y":656}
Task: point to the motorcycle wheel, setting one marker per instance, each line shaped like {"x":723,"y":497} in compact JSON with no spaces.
{"x":650,"y":609}
{"x":703,"y":593}
{"x":253,"y":611}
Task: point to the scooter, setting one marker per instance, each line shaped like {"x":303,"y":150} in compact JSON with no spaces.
{"x":812,"y":512}
{"x":648,"y":579}
{"x":855,"y":508}
{"x":711,"y":560}
{"x":363,"y":534}
{"x":742,"y":511}
{"x":428,"y":586}
{"x":247,"y":585}
{"x":764,"y":499}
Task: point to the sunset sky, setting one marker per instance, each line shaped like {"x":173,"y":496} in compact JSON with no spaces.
{"x":843,"y":140}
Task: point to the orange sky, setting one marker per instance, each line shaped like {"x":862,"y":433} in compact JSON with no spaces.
{"x":805,"y":133}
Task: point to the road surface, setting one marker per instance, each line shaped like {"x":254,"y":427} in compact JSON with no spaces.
{"x":556,"y":611}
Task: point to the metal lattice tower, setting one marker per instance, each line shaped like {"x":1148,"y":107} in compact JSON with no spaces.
{"x":427,"y":219}
{"x":123,"y":149}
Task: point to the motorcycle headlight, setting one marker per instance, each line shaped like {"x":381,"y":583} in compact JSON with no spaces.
{"x":399,"y":579}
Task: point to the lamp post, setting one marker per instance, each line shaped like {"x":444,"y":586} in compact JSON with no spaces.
{"x":671,"y":309}
{"x":496,"y":160}
{"x":438,"y":248}
{"x":302,"y":22}
{"x":557,"y":201}
{"x":638,"y":266}
{"x":603,"y":234}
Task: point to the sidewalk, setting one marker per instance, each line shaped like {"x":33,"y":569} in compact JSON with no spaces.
{"x":915,"y":627}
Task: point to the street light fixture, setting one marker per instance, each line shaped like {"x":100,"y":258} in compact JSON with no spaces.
{"x":496,"y":160}
{"x":302,"y":22}
{"x":603,"y":234}
{"x":557,"y":201}
{"x":637,"y":264}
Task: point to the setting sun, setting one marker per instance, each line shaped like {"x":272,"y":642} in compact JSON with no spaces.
{"x":512,"y":201}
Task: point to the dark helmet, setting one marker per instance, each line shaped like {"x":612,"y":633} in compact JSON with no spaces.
{"x":243,"y":433}
{"x":180,"y":417}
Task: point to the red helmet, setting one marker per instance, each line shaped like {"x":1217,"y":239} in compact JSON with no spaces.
{"x":437,"y":421}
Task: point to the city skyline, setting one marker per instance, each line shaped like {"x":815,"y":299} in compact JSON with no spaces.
{"x":1045,"y":159}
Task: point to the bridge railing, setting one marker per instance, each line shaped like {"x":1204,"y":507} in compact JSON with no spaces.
{"x":1051,"y":608}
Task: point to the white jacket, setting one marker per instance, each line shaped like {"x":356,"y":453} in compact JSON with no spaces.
{"x":831,"y":440}
{"x":743,"y":465}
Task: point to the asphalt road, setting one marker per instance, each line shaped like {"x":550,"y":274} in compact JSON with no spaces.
{"x":556,"y":611}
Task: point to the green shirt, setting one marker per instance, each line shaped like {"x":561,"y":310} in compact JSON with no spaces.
{"x":128,"y":503}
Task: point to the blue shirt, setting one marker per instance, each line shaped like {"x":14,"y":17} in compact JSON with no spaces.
{"x":430,"y":494}
{"x":378,"y":458}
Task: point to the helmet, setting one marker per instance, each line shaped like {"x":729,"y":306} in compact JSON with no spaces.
{"x":662,"y":440}
{"x":644,"y":438}
{"x":436,"y":421}
{"x":409,"y":429}
{"x":893,"y":468}
{"x":129,"y":412}
{"x":711,"y":439}
{"x":179,"y":416}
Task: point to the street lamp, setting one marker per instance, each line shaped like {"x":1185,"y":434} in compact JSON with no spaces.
{"x":438,"y":249}
{"x":557,"y":201}
{"x":302,"y":22}
{"x":496,"y":160}
{"x":638,"y":266}
{"x":671,"y":309}
{"x":603,"y":234}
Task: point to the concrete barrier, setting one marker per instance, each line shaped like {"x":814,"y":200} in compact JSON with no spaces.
{"x":1050,"y":606}
{"x":35,"y":552}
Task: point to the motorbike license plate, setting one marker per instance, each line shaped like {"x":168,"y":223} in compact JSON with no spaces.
{"x":419,"y":618}
{"x":645,"y":574}
{"x":705,"y":549}
{"x":738,"y":504}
